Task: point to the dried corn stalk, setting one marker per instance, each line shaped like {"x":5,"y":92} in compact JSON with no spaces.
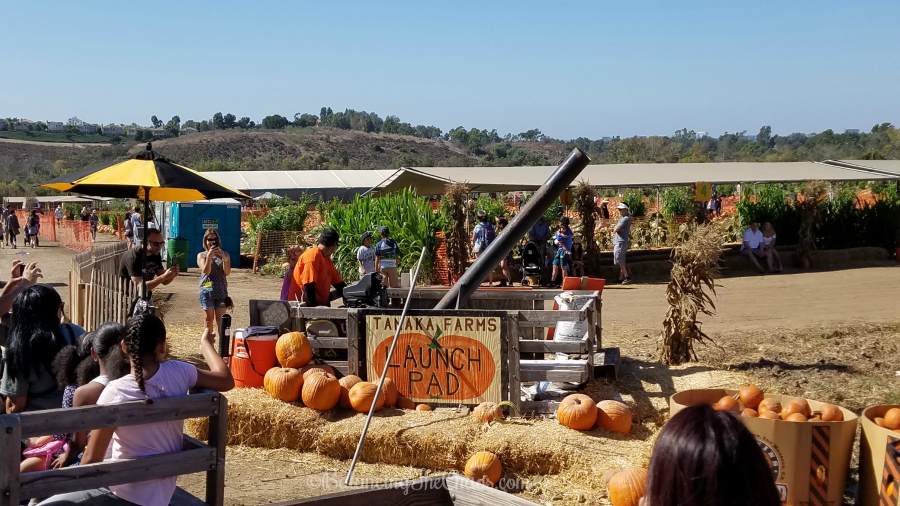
{"x":585,"y":204}
{"x":695,"y":267}
{"x":810,"y":219}
{"x":457,"y":238}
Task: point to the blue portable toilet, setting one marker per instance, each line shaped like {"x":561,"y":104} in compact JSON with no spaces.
{"x":190,"y":220}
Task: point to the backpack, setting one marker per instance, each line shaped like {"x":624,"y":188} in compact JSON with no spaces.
{"x":487,"y":237}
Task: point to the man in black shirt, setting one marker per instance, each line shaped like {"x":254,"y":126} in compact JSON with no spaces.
{"x":130,"y":264}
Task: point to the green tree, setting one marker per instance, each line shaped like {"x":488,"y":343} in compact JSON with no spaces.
{"x":40,"y":126}
{"x":305,"y":120}
{"x":244,"y":123}
{"x":229,"y":121}
{"x":156,"y":122}
{"x":139,"y":136}
{"x":203,"y":126}
{"x":533,"y":135}
{"x":275,"y":122}
{"x":218,"y":121}
{"x":764,"y":137}
{"x":173,"y":127}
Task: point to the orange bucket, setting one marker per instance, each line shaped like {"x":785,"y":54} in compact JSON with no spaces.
{"x":251,"y":358}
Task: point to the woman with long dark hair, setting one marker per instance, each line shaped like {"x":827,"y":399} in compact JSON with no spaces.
{"x":705,"y":457}
{"x":83,"y":371}
{"x":35,"y":337}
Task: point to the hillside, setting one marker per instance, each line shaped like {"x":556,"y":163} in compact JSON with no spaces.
{"x":306,"y":148}
{"x":30,"y":162}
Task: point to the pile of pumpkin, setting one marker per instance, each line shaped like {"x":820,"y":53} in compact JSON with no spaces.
{"x":318,"y":387}
{"x":580,"y":412}
{"x":891,"y":420}
{"x":751,"y":401}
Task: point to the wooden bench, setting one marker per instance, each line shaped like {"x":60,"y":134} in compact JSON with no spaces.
{"x":195,"y":456}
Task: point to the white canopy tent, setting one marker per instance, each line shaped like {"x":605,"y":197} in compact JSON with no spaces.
{"x":343,"y":184}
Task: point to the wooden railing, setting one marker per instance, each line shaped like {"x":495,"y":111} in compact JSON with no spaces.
{"x":195,"y":456}
{"x":96,"y":292}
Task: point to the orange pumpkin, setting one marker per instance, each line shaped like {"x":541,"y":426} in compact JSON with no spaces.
{"x":423,"y":407}
{"x":892,"y":419}
{"x":771,"y":415}
{"x":751,"y":396}
{"x":577,"y":411}
{"x":470,"y":365}
{"x":488,"y":412}
{"x":792,"y":408}
{"x":750,"y":412}
{"x":389,"y":390}
{"x":628,"y":487}
{"x":283,"y":383}
{"x":347,"y":383}
{"x":796,"y":417}
{"x":293,"y":350}
{"x":614,"y":416}
{"x":769,"y":404}
{"x":832,"y":413}
{"x":313,"y":368}
{"x":405,"y":403}
{"x":807,"y":411}
{"x":484,"y":468}
{"x":321,"y":391}
{"x":879,"y":422}
{"x":361,"y":396}
{"x":727,"y":403}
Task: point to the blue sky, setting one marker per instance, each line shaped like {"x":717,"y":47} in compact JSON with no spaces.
{"x":592,"y":68}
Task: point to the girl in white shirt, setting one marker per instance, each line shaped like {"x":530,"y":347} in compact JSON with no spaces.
{"x":152,"y":377}
{"x":768,"y":244}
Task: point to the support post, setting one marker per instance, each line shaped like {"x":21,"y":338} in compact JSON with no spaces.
{"x":512,"y":348}
{"x":218,"y":438}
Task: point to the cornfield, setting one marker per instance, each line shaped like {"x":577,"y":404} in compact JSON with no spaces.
{"x":695,"y":267}
{"x":585,"y":204}
{"x":457,"y":237}
{"x":411,"y":220}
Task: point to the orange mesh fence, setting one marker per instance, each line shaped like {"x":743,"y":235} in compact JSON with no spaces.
{"x":75,"y":235}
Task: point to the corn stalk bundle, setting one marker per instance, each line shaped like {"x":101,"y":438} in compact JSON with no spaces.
{"x":585,"y":203}
{"x":695,"y":267}
{"x":457,"y":238}
{"x":810,"y":219}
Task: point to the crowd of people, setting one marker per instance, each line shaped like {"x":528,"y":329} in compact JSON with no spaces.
{"x":51,"y":364}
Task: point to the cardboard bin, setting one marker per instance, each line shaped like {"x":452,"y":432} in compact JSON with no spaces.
{"x":809,"y":460}
{"x":879,"y":461}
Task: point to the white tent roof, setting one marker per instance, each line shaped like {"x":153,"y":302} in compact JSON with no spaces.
{"x":431,"y":180}
{"x":274,"y":180}
{"x":886,"y":167}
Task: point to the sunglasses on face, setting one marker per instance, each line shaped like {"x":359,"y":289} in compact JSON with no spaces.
{"x":156,"y":243}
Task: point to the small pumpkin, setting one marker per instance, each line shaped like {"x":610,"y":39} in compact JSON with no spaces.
{"x":770,"y":415}
{"x":283,"y":383}
{"x":751,"y":396}
{"x":831,"y":413}
{"x":313,"y":368}
{"x":628,"y":487}
{"x":792,"y":408}
{"x":879,"y":422}
{"x":362,"y":395}
{"x":484,"y":468}
{"x":321,"y":391}
{"x":389,"y":390}
{"x":892,"y":419}
{"x":614,"y":416}
{"x":577,"y":411}
{"x":769,"y":404}
{"x":796,"y":417}
{"x":293,"y":350}
{"x":404,"y":402}
{"x":423,"y":407}
{"x":488,"y":412}
{"x":347,"y":383}
{"x":807,"y":411}
{"x":750,"y":412}
{"x":727,"y":403}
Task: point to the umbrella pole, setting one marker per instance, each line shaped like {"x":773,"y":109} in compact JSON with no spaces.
{"x":144,"y":240}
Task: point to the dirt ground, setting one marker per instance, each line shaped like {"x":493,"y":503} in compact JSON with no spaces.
{"x":831,"y":336}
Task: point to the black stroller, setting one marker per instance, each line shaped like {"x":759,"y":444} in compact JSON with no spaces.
{"x":531,"y":264}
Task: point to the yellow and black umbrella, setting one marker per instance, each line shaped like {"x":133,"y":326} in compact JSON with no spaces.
{"x":148,"y":176}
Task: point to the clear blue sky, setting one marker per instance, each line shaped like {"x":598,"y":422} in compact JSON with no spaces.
{"x":589,"y":68}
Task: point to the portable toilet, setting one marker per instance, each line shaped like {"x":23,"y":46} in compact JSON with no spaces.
{"x":190,"y":220}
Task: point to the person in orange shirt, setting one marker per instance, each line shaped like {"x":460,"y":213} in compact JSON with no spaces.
{"x":315,"y":274}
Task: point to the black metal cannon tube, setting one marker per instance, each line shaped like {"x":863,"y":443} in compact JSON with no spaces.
{"x":561,"y":178}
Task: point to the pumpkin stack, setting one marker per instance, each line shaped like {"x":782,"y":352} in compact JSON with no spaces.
{"x":580,"y":412}
{"x":285,"y":383}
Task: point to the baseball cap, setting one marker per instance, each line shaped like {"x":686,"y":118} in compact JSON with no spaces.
{"x":384,"y":231}
{"x":481,"y":212}
{"x":362,"y":238}
{"x":621,"y":205}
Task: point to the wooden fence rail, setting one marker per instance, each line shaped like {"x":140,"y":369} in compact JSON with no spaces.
{"x":96,"y":292}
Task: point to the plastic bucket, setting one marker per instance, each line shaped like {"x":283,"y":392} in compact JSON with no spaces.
{"x":251,"y":358}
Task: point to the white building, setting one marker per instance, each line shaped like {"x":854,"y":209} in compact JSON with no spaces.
{"x":56,"y":127}
{"x":157,"y":132}
{"x":111,"y":130}
{"x":188,"y":131}
{"x":87,"y":128}
{"x":2,"y":124}
{"x":25,"y":125}
{"x":701,"y":135}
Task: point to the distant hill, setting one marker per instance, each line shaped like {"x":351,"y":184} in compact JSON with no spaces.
{"x":306,"y":149}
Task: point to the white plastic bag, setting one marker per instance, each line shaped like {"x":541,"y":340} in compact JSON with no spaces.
{"x":571,"y":330}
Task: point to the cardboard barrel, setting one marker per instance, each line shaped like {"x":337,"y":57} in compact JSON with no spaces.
{"x":879,"y":461}
{"x":809,"y":460}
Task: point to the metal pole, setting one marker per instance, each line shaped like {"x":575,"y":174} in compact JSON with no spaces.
{"x":658,"y":215}
{"x":561,"y":178}
{"x":387,"y":364}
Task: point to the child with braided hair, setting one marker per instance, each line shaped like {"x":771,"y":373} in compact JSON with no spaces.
{"x":152,"y":377}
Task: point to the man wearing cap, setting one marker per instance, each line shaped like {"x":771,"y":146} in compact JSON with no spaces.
{"x":315,"y":274}
{"x":387,"y":258}
{"x":620,"y":242}
{"x":59,"y":214}
{"x":482,"y":236}
{"x":365,"y":255}
{"x":95,"y":220}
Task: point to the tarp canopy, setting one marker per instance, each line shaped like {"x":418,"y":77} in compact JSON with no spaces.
{"x":431,"y":180}
{"x":886,"y":167}
{"x":343,"y":184}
